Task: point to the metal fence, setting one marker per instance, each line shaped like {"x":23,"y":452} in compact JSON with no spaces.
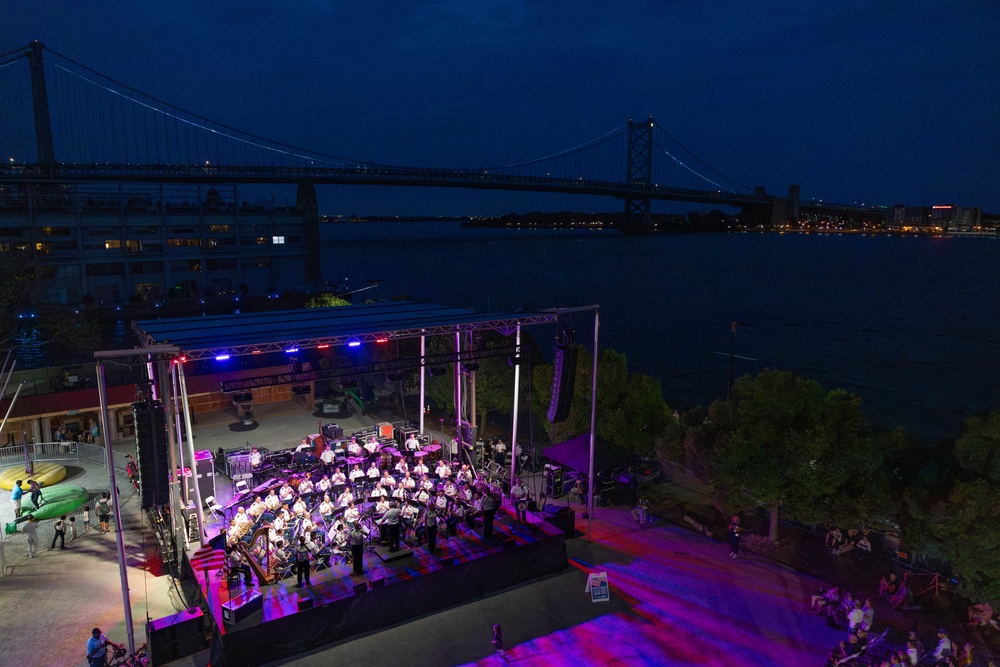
{"x":58,"y":451}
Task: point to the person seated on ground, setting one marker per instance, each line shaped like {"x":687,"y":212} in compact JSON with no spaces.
{"x":888,"y":585}
{"x":850,"y":541}
{"x":854,"y":617}
{"x":834,"y":539}
{"x":900,"y":596}
{"x":852,"y":646}
{"x":827,"y":597}
{"x":966,"y":655}
{"x":842,"y":609}
{"x":980,"y":614}
{"x":864,"y":546}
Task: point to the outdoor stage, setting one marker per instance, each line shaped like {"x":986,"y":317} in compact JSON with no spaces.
{"x":289,"y":620}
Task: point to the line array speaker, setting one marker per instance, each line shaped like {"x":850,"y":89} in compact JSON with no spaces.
{"x":151,"y":453}
{"x":563,"y":379}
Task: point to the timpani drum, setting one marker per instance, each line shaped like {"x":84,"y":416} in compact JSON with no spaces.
{"x":433,"y":452}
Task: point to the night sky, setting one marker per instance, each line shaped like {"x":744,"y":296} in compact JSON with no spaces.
{"x":868,"y":101}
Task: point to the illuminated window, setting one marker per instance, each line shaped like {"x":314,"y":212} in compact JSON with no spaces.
{"x":278,"y":240}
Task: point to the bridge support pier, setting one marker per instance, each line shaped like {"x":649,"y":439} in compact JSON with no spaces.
{"x":307,"y":204}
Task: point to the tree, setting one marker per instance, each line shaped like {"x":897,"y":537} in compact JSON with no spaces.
{"x":783,"y":440}
{"x":17,"y":275}
{"x":326,"y":300}
{"x":631,"y":411}
{"x":969,"y":536}
{"x":978,"y":450}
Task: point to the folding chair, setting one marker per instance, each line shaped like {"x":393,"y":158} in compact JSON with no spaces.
{"x":242,"y":488}
{"x":216,"y":508}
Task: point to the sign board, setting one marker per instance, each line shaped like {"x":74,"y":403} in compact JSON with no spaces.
{"x":597,"y":586}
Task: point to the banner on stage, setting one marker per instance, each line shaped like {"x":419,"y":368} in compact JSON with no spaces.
{"x":597,"y":586}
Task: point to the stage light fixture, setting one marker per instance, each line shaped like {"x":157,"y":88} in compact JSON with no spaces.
{"x":222,"y":357}
{"x":291,"y":350}
{"x":354,"y":342}
{"x":382,"y":339}
{"x":322,"y":346}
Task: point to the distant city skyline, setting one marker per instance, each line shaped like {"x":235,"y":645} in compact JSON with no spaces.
{"x":855,"y":101}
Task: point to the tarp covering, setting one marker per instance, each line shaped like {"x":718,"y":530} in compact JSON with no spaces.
{"x":575,"y":454}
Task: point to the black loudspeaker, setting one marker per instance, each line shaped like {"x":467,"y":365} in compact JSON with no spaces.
{"x":447,"y":562}
{"x":332,"y":432}
{"x":306,"y":603}
{"x":378,"y":583}
{"x":175,"y":637}
{"x":360,"y":588}
{"x":563,"y":379}
{"x":151,"y":453}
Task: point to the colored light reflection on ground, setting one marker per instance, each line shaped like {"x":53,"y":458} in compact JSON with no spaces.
{"x":677,"y":599}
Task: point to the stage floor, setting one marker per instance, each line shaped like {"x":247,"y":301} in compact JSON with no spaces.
{"x":463,"y":567}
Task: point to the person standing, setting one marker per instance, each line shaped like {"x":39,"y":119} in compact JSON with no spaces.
{"x":391,"y":519}
{"x":431,"y":525}
{"x":16,"y":493}
{"x":60,"y":530}
{"x":519,"y":495}
{"x":104,"y":512}
{"x":30,"y":531}
{"x":36,"y":493}
{"x":302,"y":561}
{"x":489,"y":508}
{"x":498,"y":640}
{"x":357,"y":539}
{"x":97,"y":648}
{"x":734,"y":537}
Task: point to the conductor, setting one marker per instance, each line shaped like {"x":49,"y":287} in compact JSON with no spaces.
{"x":391,"y":519}
{"x":357,"y":540}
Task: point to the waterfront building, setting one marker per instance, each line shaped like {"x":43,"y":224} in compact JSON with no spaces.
{"x":115,"y":244}
{"x":938,"y":219}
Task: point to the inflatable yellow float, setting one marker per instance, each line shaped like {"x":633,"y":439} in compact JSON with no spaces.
{"x":45,"y":472}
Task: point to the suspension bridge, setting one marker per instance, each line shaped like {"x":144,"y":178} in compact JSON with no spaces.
{"x":66,"y":123}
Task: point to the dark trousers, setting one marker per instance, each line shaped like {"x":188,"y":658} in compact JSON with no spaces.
{"x":246,"y":572}
{"x":61,"y":536}
{"x":302,"y":570}
{"x":36,"y":498}
{"x":393,"y":537}
{"x":488,"y":522}
{"x":357,"y":554}
{"x":432,"y":533}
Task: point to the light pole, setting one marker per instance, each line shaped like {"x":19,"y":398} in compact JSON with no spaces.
{"x":732,"y":355}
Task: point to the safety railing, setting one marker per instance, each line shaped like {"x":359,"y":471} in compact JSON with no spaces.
{"x":58,"y":451}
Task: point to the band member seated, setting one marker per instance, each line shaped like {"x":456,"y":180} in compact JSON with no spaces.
{"x":243,"y":519}
{"x":373,"y":473}
{"x":324,"y":483}
{"x":387,"y":479}
{"x":340,"y":478}
{"x":272,"y":501}
{"x":427,"y":484}
{"x":299,"y":508}
{"x":338,"y":539}
{"x":443,"y":470}
{"x":326,"y":508}
{"x":379,"y":492}
{"x":237,"y":565}
{"x":465,"y":474}
{"x":399,"y":493}
{"x":353,"y":448}
{"x":257,"y":507}
{"x":382,"y":506}
{"x":306,"y":487}
{"x":412,"y":443}
{"x":450,"y":489}
{"x":408,"y":482}
{"x":402,"y":467}
{"x":304,"y":446}
{"x":255,"y":459}
{"x":421,"y":468}
{"x":372,"y":445}
{"x":286,"y":493}
{"x":357,"y":474}
{"x":351,"y":514}
{"x":326,"y":456}
{"x":345,"y":498}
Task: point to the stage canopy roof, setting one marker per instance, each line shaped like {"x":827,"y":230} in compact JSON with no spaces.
{"x":253,"y":333}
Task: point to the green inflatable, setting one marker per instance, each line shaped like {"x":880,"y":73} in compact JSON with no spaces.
{"x":56,"y":501}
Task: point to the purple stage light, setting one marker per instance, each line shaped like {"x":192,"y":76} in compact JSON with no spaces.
{"x":222,"y":357}
{"x":291,"y":350}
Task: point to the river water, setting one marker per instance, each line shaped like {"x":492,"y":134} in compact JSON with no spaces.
{"x":912,"y":325}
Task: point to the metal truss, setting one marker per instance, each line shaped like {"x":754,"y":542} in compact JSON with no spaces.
{"x":394,"y":365}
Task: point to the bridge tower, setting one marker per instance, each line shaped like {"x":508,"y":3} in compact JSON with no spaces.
{"x":640,"y":175}
{"x":40,"y":103}
{"x":307,"y":204}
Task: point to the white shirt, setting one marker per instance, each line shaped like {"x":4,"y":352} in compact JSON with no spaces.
{"x":413,"y":444}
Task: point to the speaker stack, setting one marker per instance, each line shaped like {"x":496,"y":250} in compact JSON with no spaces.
{"x":151,"y":453}
{"x":563,"y":379}
{"x":553,"y":481}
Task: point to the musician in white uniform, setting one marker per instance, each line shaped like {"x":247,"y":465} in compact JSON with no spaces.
{"x":357,"y":473}
{"x":412,"y":443}
{"x":272,"y":502}
{"x":420,"y":468}
{"x":255,"y":458}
